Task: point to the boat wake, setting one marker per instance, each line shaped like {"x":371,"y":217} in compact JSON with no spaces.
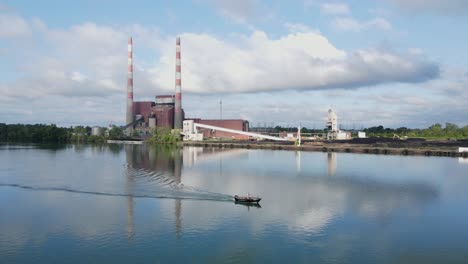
{"x":148,"y":182}
{"x":207,"y":196}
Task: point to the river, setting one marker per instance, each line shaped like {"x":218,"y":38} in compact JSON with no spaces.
{"x":140,"y":204}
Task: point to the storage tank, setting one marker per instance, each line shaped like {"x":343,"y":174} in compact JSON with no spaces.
{"x":96,"y":131}
{"x":152,"y":122}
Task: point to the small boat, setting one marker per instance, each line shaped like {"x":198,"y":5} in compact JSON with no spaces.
{"x":246,"y":199}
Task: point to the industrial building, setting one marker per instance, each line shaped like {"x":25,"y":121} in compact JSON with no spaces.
{"x":235,"y":124}
{"x":166,"y":110}
{"x":334,"y":133}
{"x":160,"y":113}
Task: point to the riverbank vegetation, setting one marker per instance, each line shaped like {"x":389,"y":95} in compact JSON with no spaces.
{"x":436,"y":131}
{"x":164,"y":135}
{"x":40,"y":133}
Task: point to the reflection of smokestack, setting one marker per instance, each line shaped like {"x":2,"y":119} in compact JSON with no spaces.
{"x":178,"y":93}
{"x":178,"y":215}
{"x":130,"y":83}
{"x":178,"y":162}
{"x":130,"y":185}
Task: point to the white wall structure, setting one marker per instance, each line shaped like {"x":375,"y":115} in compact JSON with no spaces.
{"x":361,"y":134}
{"x":342,"y":135}
{"x":462,"y":149}
{"x":332,"y":125}
{"x":152,"y":122}
{"x":96,"y":131}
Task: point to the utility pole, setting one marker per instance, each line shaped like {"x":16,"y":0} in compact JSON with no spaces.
{"x":221,"y":109}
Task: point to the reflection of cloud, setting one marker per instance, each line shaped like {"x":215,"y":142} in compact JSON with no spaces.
{"x":305,"y":204}
{"x":314,"y":219}
{"x":308,"y":203}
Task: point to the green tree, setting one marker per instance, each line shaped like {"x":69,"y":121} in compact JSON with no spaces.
{"x":164,"y":135}
{"x":116,"y":133}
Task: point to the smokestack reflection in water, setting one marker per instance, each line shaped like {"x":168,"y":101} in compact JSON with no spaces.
{"x":165,"y":160}
{"x":129,"y":189}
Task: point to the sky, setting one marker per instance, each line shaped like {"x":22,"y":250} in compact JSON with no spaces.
{"x":389,"y":62}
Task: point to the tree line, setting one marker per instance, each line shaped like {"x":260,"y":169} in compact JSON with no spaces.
{"x":41,"y":133}
{"x":436,"y":131}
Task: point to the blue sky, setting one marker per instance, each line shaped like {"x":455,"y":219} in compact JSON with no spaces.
{"x":389,"y":62}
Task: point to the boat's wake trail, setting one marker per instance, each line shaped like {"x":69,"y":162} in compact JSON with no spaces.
{"x":219,"y":197}
{"x":140,"y":183}
{"x":169,"y":186}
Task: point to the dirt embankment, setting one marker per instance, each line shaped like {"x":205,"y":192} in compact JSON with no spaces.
{"x":366,"y":145}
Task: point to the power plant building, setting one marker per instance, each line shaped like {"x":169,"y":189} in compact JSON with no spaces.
{"x":167,"y":110}
{"x":164,"y":110}
{"x":143,"y":109}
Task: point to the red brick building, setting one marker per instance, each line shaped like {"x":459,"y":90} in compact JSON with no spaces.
{"x":144,"y":109}
{"x":235,"y":124}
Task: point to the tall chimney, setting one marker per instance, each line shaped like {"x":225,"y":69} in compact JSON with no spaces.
{"x":130,"y":83}
{"x":178,"y":93}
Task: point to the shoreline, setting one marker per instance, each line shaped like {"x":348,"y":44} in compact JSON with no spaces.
{"x":428,"y":148}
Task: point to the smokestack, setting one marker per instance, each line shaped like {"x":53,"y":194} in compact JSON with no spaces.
{"x":178,"y":93}
{"x":130,"y":83}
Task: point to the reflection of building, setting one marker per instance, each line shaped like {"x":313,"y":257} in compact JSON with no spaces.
{"x":331,"y":163}
{"x":298,"y":162}
{"x":193,"y":155}
{"x":168,"y":161}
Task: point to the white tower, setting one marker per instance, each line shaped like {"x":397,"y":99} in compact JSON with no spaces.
{"x":332,"y":124}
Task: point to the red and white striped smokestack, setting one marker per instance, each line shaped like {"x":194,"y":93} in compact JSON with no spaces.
{"x":130,"y":83}
{"x":178,"y":93}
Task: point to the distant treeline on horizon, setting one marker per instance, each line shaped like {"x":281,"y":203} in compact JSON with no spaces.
{"x":41,"y":133}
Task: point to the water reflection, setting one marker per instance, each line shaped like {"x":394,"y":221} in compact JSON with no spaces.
{"x":165,"y":160}
{"x":129,"y":188}
{"x":339,"y":204}
{"x":331,"y":163}
{"x":310,"y":202}
{"x":248,"y":205}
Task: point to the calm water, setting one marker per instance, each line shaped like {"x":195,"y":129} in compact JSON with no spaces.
{"x":135,"y":204}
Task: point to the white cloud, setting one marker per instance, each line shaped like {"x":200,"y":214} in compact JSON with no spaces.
{"x":334,"y":9}
{"x":238,"y":11}
{"x":299,"y":28}
{"x":87,"y":63}
{"x":295,"y":61}
{"x":13,"y":26}
{"x":443,"y":7}
{"x":351,"y":24}
{"x":78,"y":77}
{"x":90,"y":60}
